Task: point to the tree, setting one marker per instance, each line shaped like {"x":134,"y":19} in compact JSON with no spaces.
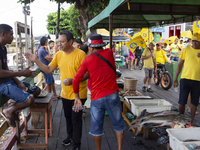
{"x":73,"y":21}
{"x":52,"y":21}
{"x":88,"y":9}
{"x":68,"y":21}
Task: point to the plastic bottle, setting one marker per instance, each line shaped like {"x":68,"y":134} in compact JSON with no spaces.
{"x":176,"y":88}
{"x":78,"y":108}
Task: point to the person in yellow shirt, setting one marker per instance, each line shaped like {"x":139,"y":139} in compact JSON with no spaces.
{"x":149,"y":57}
{"x":68,"y":59}
{"x":175,"y":50}
{"x":161,"y":55}
{"x":181,"y":44}
{"x":166,"y":49}
{"x":190,"y":78}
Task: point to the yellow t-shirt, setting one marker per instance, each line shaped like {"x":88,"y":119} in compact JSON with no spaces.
{"x":148,"y":63}
{"x":174,"y":48}
{"x":181,"y":45}
{"x":68,"y":65}
{"x":161,"y":57}
{"x":191,"y":69}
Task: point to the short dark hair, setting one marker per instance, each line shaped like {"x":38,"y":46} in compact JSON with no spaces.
{"x":5,"y":28}
{"x":78,"y":41}
{"x":43,"y":40}
{"x":51,"y":41}
{"x":68,"y":34}
{"x":84,"y":48}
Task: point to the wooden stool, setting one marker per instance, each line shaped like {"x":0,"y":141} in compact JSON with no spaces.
{"x":39,"y":105}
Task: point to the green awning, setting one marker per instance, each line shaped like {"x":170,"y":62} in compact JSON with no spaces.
{"x":146,"y":13}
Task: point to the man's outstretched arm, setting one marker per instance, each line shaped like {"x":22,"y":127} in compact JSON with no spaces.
{"x":43,"y":67}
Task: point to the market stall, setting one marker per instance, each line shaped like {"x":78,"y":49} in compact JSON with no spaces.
{"x":147,"y":13}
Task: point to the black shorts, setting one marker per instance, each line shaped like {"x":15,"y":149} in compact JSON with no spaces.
{"x":187,"y":86}
{"x":138,"y":56}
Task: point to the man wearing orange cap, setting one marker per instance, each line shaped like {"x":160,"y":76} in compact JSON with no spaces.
{"x":190,"y":78}
{"x":161,"y":55}
{"x":104,"y":91}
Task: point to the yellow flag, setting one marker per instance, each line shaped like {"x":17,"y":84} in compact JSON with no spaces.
{"x":135,"y":35}
{"x":113,"y":34}
{"x":135,"y":42}
{"x":147,"y":35}
{"x":171,"y":39}
{"x":187,"y":34}
{"x":196,"y":27}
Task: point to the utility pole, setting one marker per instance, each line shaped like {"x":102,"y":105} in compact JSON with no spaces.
{"x":26,"y":11}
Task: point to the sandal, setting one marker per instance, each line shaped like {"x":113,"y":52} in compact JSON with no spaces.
{"x":10,"y":121}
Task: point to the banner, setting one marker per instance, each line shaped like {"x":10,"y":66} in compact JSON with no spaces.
{"x":135,"y":42}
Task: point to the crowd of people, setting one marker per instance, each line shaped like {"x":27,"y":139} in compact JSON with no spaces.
{"x":89,"y":65}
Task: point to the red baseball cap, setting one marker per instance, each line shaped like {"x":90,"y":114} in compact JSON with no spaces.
{"x":159,"y":44}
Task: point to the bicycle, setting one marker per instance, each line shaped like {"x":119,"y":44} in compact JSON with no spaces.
{"x":163,"y":77}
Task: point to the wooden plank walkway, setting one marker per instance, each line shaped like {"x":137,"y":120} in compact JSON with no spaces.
{"x":159,"y":93}
{"x":109,"y":141}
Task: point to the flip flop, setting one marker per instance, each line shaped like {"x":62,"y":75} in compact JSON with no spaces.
{"x":10,"y":121}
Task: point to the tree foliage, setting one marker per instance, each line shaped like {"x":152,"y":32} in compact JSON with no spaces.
{"x":68,"y":21}
{"x":83,"y":11}
{"x":25,"y":1}
{"x":73,"y":21}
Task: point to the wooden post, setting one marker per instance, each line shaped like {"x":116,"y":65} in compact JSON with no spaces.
{"x":110,"y":29}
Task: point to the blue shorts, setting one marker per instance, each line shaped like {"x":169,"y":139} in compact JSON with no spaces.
{"x":126,"y":55}
{"x":48,"y":78}
{"x":189,"y":86}
{"x":112,"y":104}
{"x":12,"y":91}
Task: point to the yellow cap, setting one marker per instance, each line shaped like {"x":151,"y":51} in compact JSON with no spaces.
{"x":196,"y":37}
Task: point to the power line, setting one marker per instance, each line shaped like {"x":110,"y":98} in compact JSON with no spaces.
{"x":9,"y":9}
{"x":43,"y":8}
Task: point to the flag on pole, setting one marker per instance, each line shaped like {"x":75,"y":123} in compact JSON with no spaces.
{"x":147,"y":35}
{"x":135,"y":35}
{"x":135,"y":42}
{"x":196,"y":27}
{"x":187,"y":34}
{"x":171,"y":39}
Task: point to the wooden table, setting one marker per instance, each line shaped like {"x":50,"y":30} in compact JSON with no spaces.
{"x":126,"y":106}
{"x":39,"y":105}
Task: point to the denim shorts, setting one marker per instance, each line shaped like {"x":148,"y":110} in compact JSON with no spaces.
{"x":12,"y":91}
{"x":48,"y":78}
{"x":112,"y":104}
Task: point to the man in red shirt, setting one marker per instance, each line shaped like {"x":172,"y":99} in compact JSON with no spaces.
{"x":104,"y":92}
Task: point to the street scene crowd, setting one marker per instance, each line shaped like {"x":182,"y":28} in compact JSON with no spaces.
{"x":91,"y":65}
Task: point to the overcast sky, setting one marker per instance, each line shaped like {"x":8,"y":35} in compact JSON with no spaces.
{"x":11,"y":11}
